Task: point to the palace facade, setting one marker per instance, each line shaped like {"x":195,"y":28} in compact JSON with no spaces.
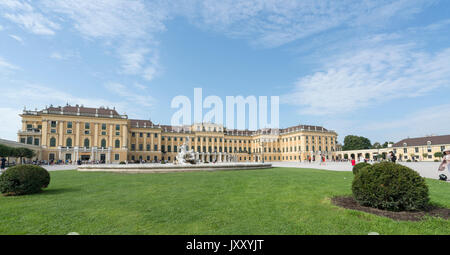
{"x":410,"y":149}
{"x":70,"y":133}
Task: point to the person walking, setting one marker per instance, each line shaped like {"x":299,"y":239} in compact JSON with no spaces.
{"x":3,"y":163}
{"x":393,"y":157}
{"x":445,"y":162}
{"x":353,"y":161}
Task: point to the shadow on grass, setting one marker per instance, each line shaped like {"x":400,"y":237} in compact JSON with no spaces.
{"x":349,"y":202}
{"x":57,"y":191}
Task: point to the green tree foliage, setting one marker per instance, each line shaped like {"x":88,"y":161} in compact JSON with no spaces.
{"x":376,"y":145}
{"x":352,"y":142}
{"x":438,"y":154}
{"x":5,"y":151}
{"x":385,"y":144}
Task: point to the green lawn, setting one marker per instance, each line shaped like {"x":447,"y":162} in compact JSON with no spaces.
{"x":274,"y":201}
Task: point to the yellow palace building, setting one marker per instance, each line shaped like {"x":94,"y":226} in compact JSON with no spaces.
{"x":70,"y":133}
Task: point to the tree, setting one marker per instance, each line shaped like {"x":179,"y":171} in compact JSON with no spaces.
{"x":386,"y":144}
{"x":5,"y":151}
{"x":22,"y":153}
{"x":425,"y":155}
{"x":438,"y":154}
{"x":352,"y":142}
{"x":376,"y":145}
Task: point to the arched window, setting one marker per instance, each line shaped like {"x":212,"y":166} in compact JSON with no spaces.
{"x":52,"y":142}
{"x":86,"y":143}
{"x":69,"y":142}
{"x":117,"y":143}
{"x":103,"y":145}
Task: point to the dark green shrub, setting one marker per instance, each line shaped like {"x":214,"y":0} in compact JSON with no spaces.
{"x":359,"y":166}
{"x":122,"y":163}
{"x":390,"y":186}
{"x":24,"y":179}
{"x":436,"y":160}
{"x":409,"y":160}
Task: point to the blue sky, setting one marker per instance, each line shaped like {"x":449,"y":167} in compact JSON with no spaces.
{"x":379,"y":69}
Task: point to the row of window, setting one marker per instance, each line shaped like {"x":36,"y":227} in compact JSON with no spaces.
{"x":69,"y":125}
{"x":86,"y":143}
{"x":68,"y":157}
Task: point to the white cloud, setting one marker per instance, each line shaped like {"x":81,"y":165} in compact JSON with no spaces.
{"x":23,"y":14}
{"x":111,"y":18}
{"x":273,"y":23}
{"x":5,"y":66}
{"x":127,"y":94}
{"x":126,"y":26}
{"x":17,"y":38}
{"x":9,"y":123}
{"x":65,"y":55}
{"x":370,"y":76}
{"x":428,"y":121}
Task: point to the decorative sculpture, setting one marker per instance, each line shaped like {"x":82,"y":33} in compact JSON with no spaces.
{"x":185,"y":156}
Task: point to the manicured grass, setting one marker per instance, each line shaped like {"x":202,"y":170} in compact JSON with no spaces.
{"x":274,"y":201}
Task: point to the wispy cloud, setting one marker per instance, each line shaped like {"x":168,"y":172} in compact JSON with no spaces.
{"x":64,"y":55}
{"x":23,"y":14}
{"x":368,"y":76}
{"x":428,"y":121}
{"x":273,"y":23}
{"x":17,"y":38}
{"x":127,"y":94}
{"x":5,"y":66}
{"x":128,"y":27}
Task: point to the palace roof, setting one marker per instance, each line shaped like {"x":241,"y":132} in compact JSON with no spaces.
{"x":422,"y":141}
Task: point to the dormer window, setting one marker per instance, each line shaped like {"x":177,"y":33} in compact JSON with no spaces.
{"x":429,"y":143}
{"x":405,"y":144}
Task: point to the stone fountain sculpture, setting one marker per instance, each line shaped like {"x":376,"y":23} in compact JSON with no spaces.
{"x":185,"y":156}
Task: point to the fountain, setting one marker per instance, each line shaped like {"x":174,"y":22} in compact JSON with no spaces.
{"x":185,"y":160}
{"x":185,"y":156}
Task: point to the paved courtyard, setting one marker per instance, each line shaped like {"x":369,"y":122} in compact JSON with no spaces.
{"x":425,"y":169}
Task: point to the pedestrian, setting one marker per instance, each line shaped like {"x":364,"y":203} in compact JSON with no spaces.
{"x":3,"y":163}
{"x":393,"y":157}
{"x":353,"y":161}
{"x":445,"y":162}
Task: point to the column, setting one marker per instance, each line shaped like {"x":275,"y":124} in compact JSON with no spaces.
{"x":61,"y":132}
{"x":125,"y":136}
{"x":95,"y":135}
{"x":77,"y":135}
{"x":111,"y":131}
{"x":152,"y":142}
{"x":44,"y":133}
{"x":145,"y":143}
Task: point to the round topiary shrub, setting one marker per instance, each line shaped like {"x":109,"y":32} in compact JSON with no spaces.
{"x":359,"y":166}
{"x":24,"y":179}
{"x":390,"y":186}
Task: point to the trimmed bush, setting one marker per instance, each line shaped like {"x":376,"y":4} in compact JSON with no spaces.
{"x":359,"y":166}
{"x":390,"y":186}
{"x":24,"y":179}
{"x":122,"y":163}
